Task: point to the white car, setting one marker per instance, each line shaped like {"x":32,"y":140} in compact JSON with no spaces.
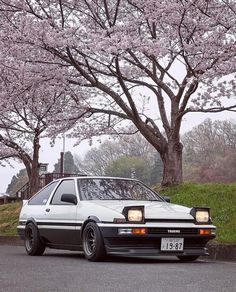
{"x":112,"y":216}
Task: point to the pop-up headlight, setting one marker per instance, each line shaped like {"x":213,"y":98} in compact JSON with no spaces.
{"x":134,"y":214}
{"x":201,"y":215}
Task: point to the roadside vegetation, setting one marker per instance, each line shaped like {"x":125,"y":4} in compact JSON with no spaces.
{"x":9,"y":214}
{"x":221,"y":198}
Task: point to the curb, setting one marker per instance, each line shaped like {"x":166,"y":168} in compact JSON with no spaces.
{"x":218,"y":251}
{"x":222,"y":252}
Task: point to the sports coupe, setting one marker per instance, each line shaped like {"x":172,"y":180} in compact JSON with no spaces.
{"x":112,"y":216}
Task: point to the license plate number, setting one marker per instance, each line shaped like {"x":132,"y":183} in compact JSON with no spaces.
{"x":172,"y":244}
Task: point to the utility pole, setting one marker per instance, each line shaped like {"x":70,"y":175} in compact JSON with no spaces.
{"x":62,"y":157}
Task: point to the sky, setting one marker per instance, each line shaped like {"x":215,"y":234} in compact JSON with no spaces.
{"x":51,"y":155}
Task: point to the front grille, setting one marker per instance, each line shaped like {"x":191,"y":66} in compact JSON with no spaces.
{"x":182,"y":231}
{"x":169,"y":220}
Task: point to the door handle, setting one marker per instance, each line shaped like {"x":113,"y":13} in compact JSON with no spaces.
{"x":47,"y":210}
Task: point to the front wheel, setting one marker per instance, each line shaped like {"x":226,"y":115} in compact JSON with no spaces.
{"x":187,"y":258}
{"x":33,"y":243}
{"x":93,"y":244}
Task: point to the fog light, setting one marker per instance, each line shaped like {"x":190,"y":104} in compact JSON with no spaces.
{"x":139,"y":231}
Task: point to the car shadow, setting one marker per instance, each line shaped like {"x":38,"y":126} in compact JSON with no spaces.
{"x":67,"y":254}
{"x":125,"y":259}
{"x":150,"y":260}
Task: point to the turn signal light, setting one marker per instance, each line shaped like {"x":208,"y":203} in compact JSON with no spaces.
{"x":139,"y":231}
{"x":205,"y":231}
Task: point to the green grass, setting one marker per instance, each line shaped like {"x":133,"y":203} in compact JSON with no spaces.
{"x":221,"y":198}
{"x":9,"y":215}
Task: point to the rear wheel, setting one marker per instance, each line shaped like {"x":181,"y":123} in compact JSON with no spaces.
{"x":187,"y":258}
{"x":93,"y":244}
{"x":33,"y":243}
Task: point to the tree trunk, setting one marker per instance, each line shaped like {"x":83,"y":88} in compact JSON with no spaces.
{"x":34,"y":177}
{"x":170,"y":150}
{"x":172,"y":164}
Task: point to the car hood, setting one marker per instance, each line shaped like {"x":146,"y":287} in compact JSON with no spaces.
{"x":153,"y":209}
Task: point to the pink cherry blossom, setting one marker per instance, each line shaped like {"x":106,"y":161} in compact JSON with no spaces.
{"x":102,"y":53}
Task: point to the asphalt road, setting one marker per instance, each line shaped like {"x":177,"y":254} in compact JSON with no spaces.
{"x":69,"y":271}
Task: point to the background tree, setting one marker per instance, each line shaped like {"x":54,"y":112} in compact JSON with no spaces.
{"x":96,"y":159}
{"x":210,"y":152}
{"x":17,"y":181}
{"x":31,"y":103}
{"x":69,"y":164}
{"x":176,"y":51}
{"x":130,"y":167}
{"x":122,"y":157}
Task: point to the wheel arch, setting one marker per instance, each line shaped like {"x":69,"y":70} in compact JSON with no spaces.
{"x":94,"y":219}
{"x":31,"y":220}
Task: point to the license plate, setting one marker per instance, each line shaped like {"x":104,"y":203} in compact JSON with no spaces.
{"x":172,"y":244}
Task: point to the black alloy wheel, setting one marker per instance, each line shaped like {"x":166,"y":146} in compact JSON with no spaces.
{"x":33,"y":244}
{"x":93,"y":244}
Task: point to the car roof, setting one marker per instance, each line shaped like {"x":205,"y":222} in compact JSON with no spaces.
{"x":96,"y":177}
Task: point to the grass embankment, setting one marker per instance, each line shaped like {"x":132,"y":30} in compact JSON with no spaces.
{"x":221,"y":198}
{"x":9,"y":215}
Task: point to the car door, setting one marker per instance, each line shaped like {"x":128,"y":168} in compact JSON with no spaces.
{"x":36,"y":205}
{"x":60,"y":217}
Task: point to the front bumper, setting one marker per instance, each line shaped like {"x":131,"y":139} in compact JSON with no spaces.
{"x":150,"y":243}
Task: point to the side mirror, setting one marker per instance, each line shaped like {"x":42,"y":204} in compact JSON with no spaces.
{"x":69,"y":198}
{"x":166,"y":198}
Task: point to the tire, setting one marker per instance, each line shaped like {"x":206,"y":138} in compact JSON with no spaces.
{"x":187,"y":258}
{"x":93,"y":244}
{"x":33,"y":243}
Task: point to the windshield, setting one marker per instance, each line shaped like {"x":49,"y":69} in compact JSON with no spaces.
{"x":115,"y":189}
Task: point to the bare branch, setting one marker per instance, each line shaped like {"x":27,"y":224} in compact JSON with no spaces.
{"x":211,"y":110}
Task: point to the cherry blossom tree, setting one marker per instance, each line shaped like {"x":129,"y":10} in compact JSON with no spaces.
{"x":29,"y":109}
{"x":179,"y":53}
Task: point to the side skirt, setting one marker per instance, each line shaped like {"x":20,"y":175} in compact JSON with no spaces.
{"x":65,"y":247}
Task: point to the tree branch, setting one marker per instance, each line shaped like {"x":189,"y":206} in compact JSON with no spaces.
{"x":211,"y":110}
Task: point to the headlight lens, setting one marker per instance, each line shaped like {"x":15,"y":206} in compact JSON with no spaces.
{"x":135,"y":215}
{"x":202,"y":216}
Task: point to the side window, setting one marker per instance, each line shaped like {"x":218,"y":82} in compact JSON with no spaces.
{"x":41,"y":198}
{"x":65,"y":187}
